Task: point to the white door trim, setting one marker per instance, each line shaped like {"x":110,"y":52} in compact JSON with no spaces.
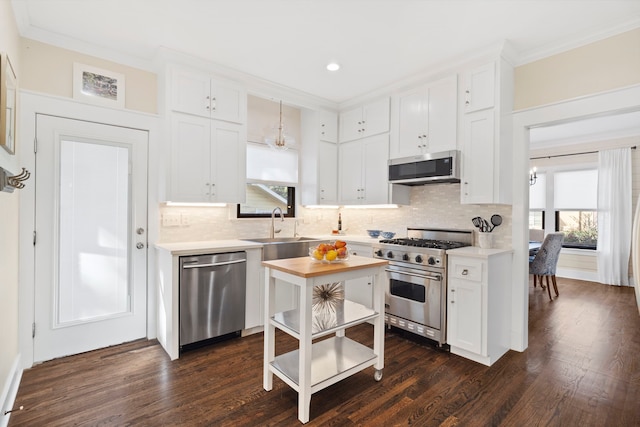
{"x":30,"y":104}
{"x":611,"y":102}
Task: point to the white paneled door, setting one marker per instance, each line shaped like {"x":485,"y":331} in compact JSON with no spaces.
{"x":91,"y":244}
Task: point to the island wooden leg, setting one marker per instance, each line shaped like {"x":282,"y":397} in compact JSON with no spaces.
{"x":269,"y":330}
{"x":304,"y":361}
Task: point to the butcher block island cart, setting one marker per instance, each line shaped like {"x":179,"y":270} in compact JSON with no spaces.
{"x":315,"y":366}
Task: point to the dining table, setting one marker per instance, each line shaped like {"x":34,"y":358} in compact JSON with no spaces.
{"x":534,"y":247}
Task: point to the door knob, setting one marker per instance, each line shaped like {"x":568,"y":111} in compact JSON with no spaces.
{"x":139,"y":245}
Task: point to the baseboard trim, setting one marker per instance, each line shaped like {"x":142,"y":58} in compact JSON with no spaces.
{"x":10,"y":391}
{"x":570,"y":273}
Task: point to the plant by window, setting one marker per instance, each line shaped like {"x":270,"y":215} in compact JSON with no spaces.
{"x":580,"y":228}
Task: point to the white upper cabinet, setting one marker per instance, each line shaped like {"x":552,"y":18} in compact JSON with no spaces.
{"x":319,"y":158}
{"x":486,"y":134}
{"x":363,"y":175}
{"x":366,"y":120}
{"x":328,"y":126}
{"x":198,"y":93}
{"x":479,"y":88}
{"x":478,"y":158}
{"x":427,"y":119}
{"x":208,"y":160}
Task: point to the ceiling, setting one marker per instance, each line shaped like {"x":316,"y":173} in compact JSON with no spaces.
{"x":289,"y":42}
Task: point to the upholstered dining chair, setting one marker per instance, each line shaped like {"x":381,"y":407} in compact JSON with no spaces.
{"x":545,"y":261}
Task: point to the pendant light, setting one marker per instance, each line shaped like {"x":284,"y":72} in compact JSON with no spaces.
{"x":281,"y":141}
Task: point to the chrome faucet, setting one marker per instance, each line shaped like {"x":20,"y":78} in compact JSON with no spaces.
{"x":295,"y":228}
{"x":273,"y":230}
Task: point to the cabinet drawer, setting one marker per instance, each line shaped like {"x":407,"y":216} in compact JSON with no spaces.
{"x":466,"y":270}
{"x":360,"y":250}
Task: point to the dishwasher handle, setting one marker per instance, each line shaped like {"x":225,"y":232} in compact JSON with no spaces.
{"x":215,"y":264}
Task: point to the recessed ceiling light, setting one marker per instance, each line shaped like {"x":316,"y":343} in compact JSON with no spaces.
{"x":333,"y":66}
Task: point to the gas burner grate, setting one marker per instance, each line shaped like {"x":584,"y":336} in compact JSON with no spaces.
{"x":425,"y":243}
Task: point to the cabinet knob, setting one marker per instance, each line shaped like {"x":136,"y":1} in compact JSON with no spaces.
{"x":465,"y":272}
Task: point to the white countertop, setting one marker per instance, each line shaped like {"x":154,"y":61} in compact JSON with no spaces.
{"x":212,"y":246}
{"x":207,"y":246}
{"x":477,"y":252}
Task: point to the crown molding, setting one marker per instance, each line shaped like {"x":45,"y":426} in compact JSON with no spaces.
{"x":574,"y":42}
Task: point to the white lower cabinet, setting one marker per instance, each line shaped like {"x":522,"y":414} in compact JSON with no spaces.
{"x":359,"y":290}
{"x":479,"y":303}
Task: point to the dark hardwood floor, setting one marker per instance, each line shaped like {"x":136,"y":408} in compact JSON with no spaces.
{"x":582,"y":368}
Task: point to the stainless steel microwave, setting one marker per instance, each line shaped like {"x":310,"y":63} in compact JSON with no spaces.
{"x":425,"y":169}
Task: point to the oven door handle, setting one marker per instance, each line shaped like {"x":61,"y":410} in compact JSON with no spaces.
{"x":422,"y":276}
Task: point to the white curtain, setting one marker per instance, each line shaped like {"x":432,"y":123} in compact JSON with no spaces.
{"x":614,"y":216}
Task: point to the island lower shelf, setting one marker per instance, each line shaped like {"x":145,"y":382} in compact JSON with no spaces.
{"x":332,"y":360}
{"x":326,"y":321}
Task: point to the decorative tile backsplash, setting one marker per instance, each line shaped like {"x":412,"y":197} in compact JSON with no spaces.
{"x":434,"y":206}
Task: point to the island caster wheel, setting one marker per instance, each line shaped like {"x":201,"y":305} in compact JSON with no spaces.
{"x":377,"y":375}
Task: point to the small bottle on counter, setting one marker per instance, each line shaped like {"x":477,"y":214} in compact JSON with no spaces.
{"x":339,"y":222}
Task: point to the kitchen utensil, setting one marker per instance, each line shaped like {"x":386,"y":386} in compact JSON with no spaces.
{"x":477,"y":222}
{"x":496,"y":220}
{"x":485,"y":227}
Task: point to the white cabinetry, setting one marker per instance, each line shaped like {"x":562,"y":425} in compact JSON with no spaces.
{"x":198,"y":93}
{"x":319,"y":158}
{"x":208,"y":160}
{"x":328,"y":126}
{"x":366,"y":120}
{"x":427,"y":119}
{"x":479,"y":303}
{"x":479,"y":88}
{"x":359,"y":290}
{"x":486,"y":134}
{"x":363,"y":171}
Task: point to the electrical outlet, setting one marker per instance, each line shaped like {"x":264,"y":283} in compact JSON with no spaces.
{"x":185,"y":219}
{"x":170,"y":220}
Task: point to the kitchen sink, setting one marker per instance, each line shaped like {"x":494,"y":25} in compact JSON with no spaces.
{"x":285,"y":247}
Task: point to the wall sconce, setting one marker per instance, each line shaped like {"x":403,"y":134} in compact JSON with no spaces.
{"x":532,"y":176}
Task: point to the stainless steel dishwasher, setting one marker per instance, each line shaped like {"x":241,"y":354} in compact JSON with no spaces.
{"x":212,"y":295}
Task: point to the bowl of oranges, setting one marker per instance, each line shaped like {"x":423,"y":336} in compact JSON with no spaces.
{"x":330,"y":252}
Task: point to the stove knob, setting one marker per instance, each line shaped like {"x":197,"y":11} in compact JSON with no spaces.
{"x":379,"y":253}
{"x":419,"y":259}
{"x":389,"y":254}
{"x":431,"y":261}
{"x":405,"y":257}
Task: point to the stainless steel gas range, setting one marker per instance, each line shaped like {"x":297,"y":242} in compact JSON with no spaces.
{"x":416,"y":296}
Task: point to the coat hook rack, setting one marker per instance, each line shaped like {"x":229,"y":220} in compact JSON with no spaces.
{"x":10,"y":182}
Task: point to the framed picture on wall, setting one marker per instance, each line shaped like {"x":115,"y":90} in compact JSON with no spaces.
{"x":97,"y":86}
{"x":8,"y":91}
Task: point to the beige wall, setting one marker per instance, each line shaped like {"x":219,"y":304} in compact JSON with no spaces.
{"x":9,"y":43}
{"x":597,"y":67}
{"x":49,"y":69}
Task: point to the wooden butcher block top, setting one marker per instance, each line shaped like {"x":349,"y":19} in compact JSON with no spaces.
{"x":306,"y":267}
